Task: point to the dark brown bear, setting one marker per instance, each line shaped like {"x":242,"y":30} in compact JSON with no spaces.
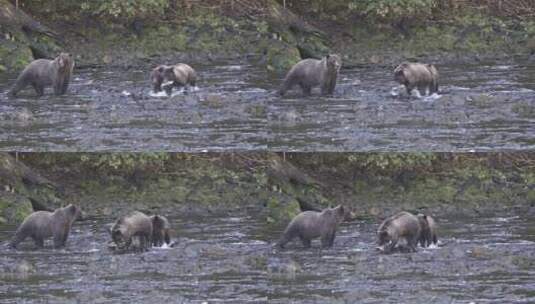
{"x":309,"y":225}
{"x":309,"y":73}
{"x":417,"y":75}
{"x":132,"y":232}
{"x":41,"y":225}
{"x":160,"y":230}
{"x":180,"y":75}
{"x":42,"y":73}
{"x":400,"y":231}
{"x":428,"y":234}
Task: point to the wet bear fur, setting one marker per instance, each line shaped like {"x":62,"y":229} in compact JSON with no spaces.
{"x":309,"y":225}
{"x":41,"y":225}
{"x":42,"y":73}
{"x":417,"y":75}
{"x":160,"y":230}
{"x":180,"y":75}
{"x":132,"y":232}
{"x":400,"y":231}
{"x":309,"y":73}
{"x":428,"y":234}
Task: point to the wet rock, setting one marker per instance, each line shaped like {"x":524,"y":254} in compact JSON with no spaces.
{"x":481,"y":100}
{"x":212,"y":101}
{"x":24,"y":269}
{"x":18,"y":271}
{"x":524,"y":109}
{"x":256,"y":110}
{"x":479,"y":252}
{"x":375,"y":59}
{"x":283,"y":269}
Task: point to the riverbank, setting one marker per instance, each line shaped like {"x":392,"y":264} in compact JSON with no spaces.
{"x":276,"y":185}
{"x":267,"y":33}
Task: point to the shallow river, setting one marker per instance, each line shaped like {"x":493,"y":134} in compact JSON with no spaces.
{"x":488,"y":106}
{"x":225,"y":259}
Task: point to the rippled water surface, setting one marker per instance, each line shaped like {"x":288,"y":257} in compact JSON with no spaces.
{"x":488,"y":106}
{"x":222,"y":258}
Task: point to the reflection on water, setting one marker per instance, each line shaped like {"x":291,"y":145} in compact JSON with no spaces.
{"x":220,"y":258}
{"x":480,"y":107}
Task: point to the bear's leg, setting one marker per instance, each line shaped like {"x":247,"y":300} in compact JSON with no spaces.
{"x":412,"y":243}
{"x":423,"y":90}
{"x":19,"y":85}
{"x":327,"y":240}
{"x":39,"y":89}
{"x":167,"y":238}
{"x":307,"y":90}
{"x":423,"y":241}
{"x":147,"y":243}
{"x":331,"y":239}
{"x":285,"y":238}
{"x":17,"y":239}
{"x":286,"y":85}
{"x":39,"y":242}
{"x":390,"y":246}
{"x":307,"y":243}
{"x":409,"y":88}
{"x":59,"y":240}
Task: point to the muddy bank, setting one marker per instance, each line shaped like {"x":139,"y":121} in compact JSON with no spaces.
{"x":275,"y":186}
{"x":275,"y":36}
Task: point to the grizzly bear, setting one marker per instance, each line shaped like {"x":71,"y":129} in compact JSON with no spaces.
{"x":309,"y":225}
{"x":43,"y":72}
{"x":44,"y":224}
{"x":417,"y":75}
{"x":309,"y":73}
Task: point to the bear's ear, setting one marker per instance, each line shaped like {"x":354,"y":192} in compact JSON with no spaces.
{"x":161,"y":68}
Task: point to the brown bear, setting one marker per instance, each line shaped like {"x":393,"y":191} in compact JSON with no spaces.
{"x":180,"y":75}
{"x":160,"y":230}
{"x":43,"y":72}
{"x":309,"y":225}
{"x":402,"y":229}
{"x":428,"y":234}
{"x":309,"y":73}
{"x":417,"y":75}
{"x":44,"y":224}
{"x":132,"y":232}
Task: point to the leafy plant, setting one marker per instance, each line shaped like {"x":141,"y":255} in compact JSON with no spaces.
{"x":393,"y":10}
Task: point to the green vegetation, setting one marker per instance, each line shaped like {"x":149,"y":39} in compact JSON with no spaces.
{"x":363,"y":31}
{"x":273,"y":185}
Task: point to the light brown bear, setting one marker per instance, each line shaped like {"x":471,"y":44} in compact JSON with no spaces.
{"x":180,"y":75}
{"x":42,"y":73}
{"x":309,"y":225}
{"x":417,"y":75}
{"x":309,"y":73}
{"x":400,"y":231}
{"x":41,"y":225}
{"x":132,"y":232}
